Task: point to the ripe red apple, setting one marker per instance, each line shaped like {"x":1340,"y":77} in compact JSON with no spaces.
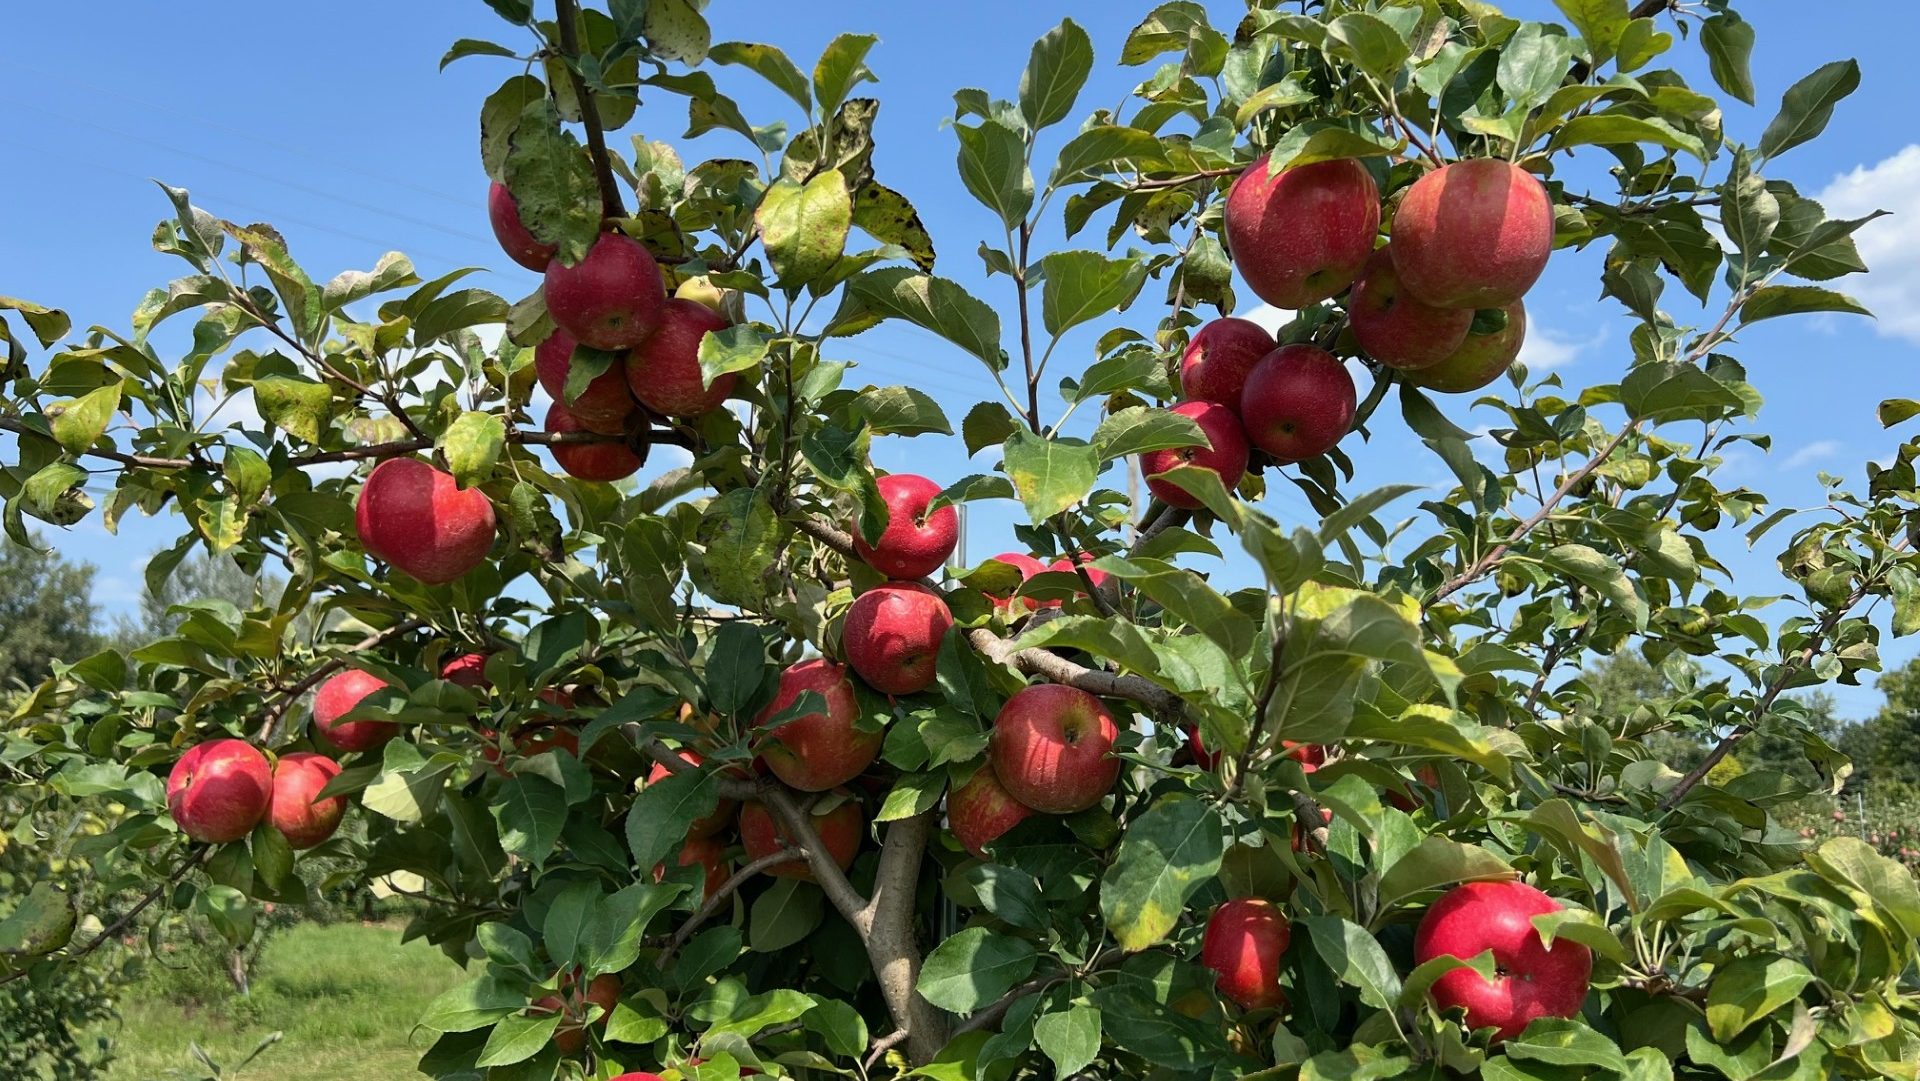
{"x":892,"y":636}
{"x":980,"y":811}
{"x":1051,"y":748}
{"x":219,"y":790}
{"x":1028,"y":567}
{"x":1227,"y":456}
{"x":1532,"y":980}
{"x":664,"y":371}
{"x":1397,"y":328}
{"x":571,"y":1037}
{"x":612,"y":299}
{"x":336,"y":698}
{"x":515,"y":238}
{"x":1299,"y":402}
{"x":1202,"y":757}
{"x":1243,"y":943}
{"x":297,"y":778}
{"x":607,"y":461}
{"x":467,"y":670}
{"x":606,"y":403}
{"x":1413,"y":799}
{"x":839,"y":831}
{"x":1474,"y":234}
{"x":1481,"y":359}
{"x":1218,"y":358}
{"x":709,"y":853}
{"x":1302,"y":236}
{"x":915,"y":543}
{"x":415,"y":517}
{"x":722,"y":811}
{"x":1311,"y":756}
{"x":817,"y":751}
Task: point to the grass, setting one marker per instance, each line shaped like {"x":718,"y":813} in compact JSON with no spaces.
{"x":343,"y":995}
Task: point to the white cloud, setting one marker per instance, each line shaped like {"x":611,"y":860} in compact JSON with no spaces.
{"x":1544,"y":350}
{"x":1812,"y":452}
{"x":1890,"y":246}
{"x":1270,"y":318}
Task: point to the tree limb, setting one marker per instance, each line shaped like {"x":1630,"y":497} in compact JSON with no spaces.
{"x":892,"y":946}
{"x":567,"y":14}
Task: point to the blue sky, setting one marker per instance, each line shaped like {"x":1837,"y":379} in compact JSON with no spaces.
{"x":331,"y":122}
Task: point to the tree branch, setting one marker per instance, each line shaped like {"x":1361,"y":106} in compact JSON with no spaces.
{"x":892,"y":946}
{"x":113,"y":929}
{"x":722,"y":895}
{"x":567,"y":14}
{"x":292,"y":694}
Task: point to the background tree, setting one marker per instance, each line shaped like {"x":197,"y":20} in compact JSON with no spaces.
{"x":46,"y":613}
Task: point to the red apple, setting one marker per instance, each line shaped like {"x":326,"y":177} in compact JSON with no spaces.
{"x":219,"y":790}
{"x":1532,"y":980}
{"x":1299,"y":402}
{"x":1028,"y":567}
{"x":571,"y":1037}
{"x":467,"y":670}
{"x":817,"y":751}
{"x":1481,"y":359}
{"x":606,"y":403}
{"x":1311,"y":756}
{"x":1202,"y":757}
{"x":612,"y":299}
{"x":1413,"y":799}
{"x":297,"y":778}
{"x":1052,"y":748}
{"x":1218,"y":358}
{"x":1474,"y":234}
{"x":515,"y":238}
{"x":722,"y":811}
{"x":709,"y":853}
{"x":336,"y":698}
{"x":604,"y":461}
{"x":1397,"y":328}
{"x":1227,"y":456}
{"x":980,"y":811}
{"x":664,"y":371}
{"x":1243,"y":943}
{"x":892,"y":636}
{"x":839,"y":831}
{"x":915,"y":543}
{"x":1302,"y":236}
{"x":415,"y":517}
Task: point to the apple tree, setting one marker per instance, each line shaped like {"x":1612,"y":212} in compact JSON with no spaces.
{"x":729,"y":772}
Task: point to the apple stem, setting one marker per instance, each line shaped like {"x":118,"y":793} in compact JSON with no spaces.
{"x":567,"y":14}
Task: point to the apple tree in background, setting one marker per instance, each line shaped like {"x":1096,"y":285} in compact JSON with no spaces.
{"x":733,"y":774}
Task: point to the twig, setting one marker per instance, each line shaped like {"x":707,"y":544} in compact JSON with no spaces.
{"x":567,"y":14}
{"x":713,"y":904}
{"x":320,"y":672}
{"x":1178,"y":181}
{"x":113,"y":929}
{"x":142,"y":461}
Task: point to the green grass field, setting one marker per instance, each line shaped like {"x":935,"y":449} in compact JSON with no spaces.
{"x":343,"y":995}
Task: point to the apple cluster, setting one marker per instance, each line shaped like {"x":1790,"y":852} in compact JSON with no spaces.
{"x":220,"y":790}
{"x":1439,"y":303}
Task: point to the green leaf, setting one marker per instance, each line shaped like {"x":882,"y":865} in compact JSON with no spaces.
{"x":974,"y":968}
{"x":1164,"y":856}
{"x":804,"y":229}
{"x":1669,"y":392}
{"x":474,"y":1004}
{"x":987,"y":424}
{"x":1355,"y":957}
{"x":1102,"y":148}
{"x":1050,"y":475}
{"x":1056,"y":70}
{"x":1808,"y":105}
{"x":771,"y":64}
{"x":1359,"y":509}
{"x":1728,"y":41}
{"x":1138,"y":429}
{"x":465,"y":47}
{"x":742,"y":537}
{"x":295,"y":405}
{"x":731,"y":349}
{"x":82,"y":420}
{"x":49,"y":325}
{"x":665,"y":809}
{"x":552,"y":182}
{"x":1750,"y":211}
{"x":934,"y":304}
{"x":785,"y":914}
{"x":1188,"y":597}
{"x":888,"y":217}
{"x":842,"y":66}
{"x":993,"y":166}
{"x":518,"y":1038}
{"x":839,"y":1025}
{"x":1749,"y":989}
{"x":1013,"y":895}
{"x":1582,"y":926}
{"x":1533,"y":64}
{"x":1083,"y":285}
{"x":1370,"y":42}
{"x":912,"y":794}
{"x":1328,"y":140}
{"x":472,"y":444}
{"x":41,"y":923}
{"x":1426,"y":974}
{"x":1771,"y":301}
{"x":272,"y":855}
{"x":1436,"y":862}
{"x":1893,"y":411}
{"x":1616,"y":129}
{"x":900,"y":411}
{"x":610,"y":937}
{"x":500,"y":115}
{"x":763,"y":1011}
{"x":1599,"y":23}
{"x":1600,"y":572}
{"x":1070,"y":1037}
{"x":531,"y":811}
